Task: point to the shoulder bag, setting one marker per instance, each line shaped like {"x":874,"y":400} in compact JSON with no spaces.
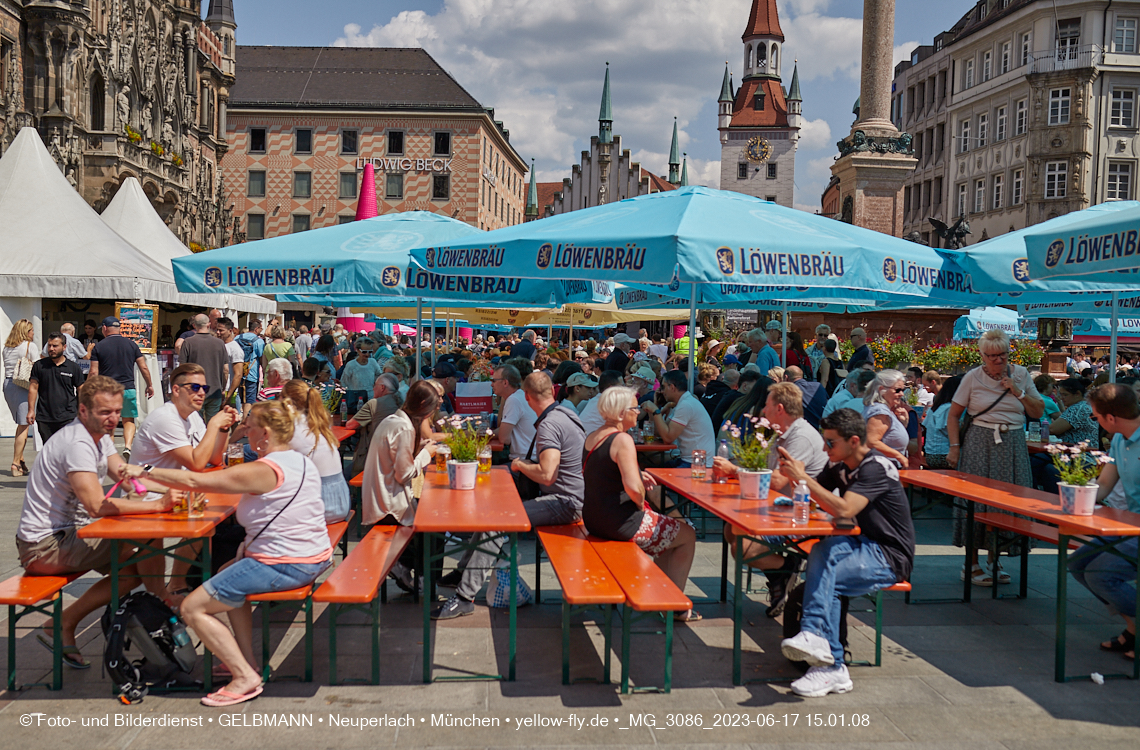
{"x":245,"y":545}
{"x":969,"y":418}
{"x":528,"y":488}
{"x":23,"y":374}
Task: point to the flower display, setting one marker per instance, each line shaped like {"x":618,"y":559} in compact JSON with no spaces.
{"x":481,"y":371}
{"x":1076,"y":464}
{"x":752,"y":446}
{"x":464,"y":437}
{"x":331,"y":395}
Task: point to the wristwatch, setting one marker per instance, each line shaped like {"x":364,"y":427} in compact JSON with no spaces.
{"x":147,"y":468}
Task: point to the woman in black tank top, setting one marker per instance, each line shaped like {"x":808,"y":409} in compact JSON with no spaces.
{"x":614,"y":503}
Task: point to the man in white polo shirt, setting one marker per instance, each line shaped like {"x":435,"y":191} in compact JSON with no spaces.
{"x":689,"y":425}
{"x":64,"y":492}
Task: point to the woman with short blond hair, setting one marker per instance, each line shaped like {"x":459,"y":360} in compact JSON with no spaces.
{"x":19,"y":345}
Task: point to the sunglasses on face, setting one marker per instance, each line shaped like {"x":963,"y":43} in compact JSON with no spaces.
{"x":829,"y":442}
{"x":899,"y":390}
{"x":196,"y":387}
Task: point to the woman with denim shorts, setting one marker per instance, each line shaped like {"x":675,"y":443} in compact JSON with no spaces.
{"x":286,"y":543}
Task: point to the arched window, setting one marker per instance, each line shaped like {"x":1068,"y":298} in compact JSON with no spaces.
{"x":98,"y":103}
{"x":775,"y":58}
{"x":748,"y":57}
{"x":761,"y":56}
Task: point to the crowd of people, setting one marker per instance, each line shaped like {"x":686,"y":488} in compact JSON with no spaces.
{"x":563,"y":412}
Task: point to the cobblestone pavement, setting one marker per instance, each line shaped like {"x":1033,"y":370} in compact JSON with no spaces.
{"x":953,"y":675}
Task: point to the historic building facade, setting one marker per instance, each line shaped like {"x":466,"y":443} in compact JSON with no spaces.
{"x":121,"y":88}
{"x":303,"y":122}
{"x":759,"y":122}
{"x":1029,"y":111}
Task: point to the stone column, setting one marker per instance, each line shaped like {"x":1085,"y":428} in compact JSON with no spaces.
{"x":878,"y":68}
{"x":875,"y":160}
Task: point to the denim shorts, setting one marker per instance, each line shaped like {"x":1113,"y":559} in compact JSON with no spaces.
{"x":248,"y":576}
{"x":249,"y":391}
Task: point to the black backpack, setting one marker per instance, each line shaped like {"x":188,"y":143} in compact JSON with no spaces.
{"x":141,"y":653}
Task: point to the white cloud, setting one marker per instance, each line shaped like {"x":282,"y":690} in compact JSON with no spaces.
{"x":815,"y":134}
{"x":903,"y":52}
{"x":842,"y":38}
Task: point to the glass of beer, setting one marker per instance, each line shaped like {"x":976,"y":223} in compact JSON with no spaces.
{"x":197,"y":503}
{"x":180,"y":503}
{"x":698,"y":465}
{"x":235,"y":454}
{"x":485,"y":460}
{"x":442,"y":456}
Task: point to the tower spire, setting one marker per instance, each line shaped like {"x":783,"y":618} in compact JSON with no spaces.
{"x":532,"y":195}
{"x":794,"y":93}
{"x":726,"y":86}
{"x":685,"y":172}
{"x":606,"y":114}
{"x":674,"y":157}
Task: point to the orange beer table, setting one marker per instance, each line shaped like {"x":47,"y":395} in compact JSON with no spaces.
{"x":149,"y":532}
{"x":756,"y":519}
{"x":342,"y":433}
{"x":1044,"y":508}
{"x":493,"y":506}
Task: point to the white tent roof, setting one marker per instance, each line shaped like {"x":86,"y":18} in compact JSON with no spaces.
{"x":132,"y":216}
{"x":55,"y":245}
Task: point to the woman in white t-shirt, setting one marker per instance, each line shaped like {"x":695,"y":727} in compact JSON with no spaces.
{"x":313,"y":437}
{"x":19,"y":345}
{"x":286,"y":544}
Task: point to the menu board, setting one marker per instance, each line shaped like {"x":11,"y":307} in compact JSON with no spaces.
{"x":138,"y":323}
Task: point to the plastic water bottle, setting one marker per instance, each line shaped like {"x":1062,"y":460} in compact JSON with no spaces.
{"x":178,"y":632}
{"x":360,"y":403}
{"x":184,"y":652}
{"x":801,"y":505}
{"x":1044,"y":428}
{"x":722,"y":452}
{"x":343,"y":411}
{"x":1034,"y":431}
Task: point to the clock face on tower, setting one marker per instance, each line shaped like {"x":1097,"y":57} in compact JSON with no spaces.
{"x":758,"y":150}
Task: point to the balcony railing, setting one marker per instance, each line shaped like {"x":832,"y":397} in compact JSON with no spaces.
{"x":1066,"y":58}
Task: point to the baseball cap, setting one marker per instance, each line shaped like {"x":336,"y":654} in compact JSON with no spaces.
{"x":645,"y":373}
{"x":774,"y":325}
{"x":621,"y":338}
{"x":111,"y":321}
{"x":444,"y":370}
{"x":581,"y":378}
{"x":731,"y":359}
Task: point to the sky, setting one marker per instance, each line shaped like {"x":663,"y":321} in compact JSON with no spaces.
{"x":540,"y":65}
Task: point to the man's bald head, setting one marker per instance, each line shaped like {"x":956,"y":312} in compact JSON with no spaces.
{"x":201,"y":322}
{"x":793,"y":373}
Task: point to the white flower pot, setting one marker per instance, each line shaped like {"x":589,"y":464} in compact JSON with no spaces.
{"x":754,"y":485}
{"x":461,"y":474}
{"x":1078,"y":500}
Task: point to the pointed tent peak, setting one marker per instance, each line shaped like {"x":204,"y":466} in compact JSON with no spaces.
{"x":764,"y":20}
{"x":685,"y":172}
{"x":221,"y":11}
{"x":606,"y":113}
{"x":675,"y":149}
{"x":366,"y":206}
{"x":532,"y":193}
{"x":726,"y":86}
{"x":794,"y":94}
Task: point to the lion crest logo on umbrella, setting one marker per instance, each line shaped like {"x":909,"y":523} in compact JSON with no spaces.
{"x":726,"y":261}
{"x":1054,"y":253}
{"x":213,"y":276}
{"x":390,"y":277}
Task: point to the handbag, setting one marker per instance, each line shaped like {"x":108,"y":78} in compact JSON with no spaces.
{"x":529,"y":489}
{"x":244,"y":545}
{"x":23,"y":374}
{"x":499,"y":592}
{"x":969,"y":418}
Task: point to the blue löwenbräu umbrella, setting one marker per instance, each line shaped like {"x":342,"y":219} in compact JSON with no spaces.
{"x":983,"y":319}
{"x":1102,"y":239}
{"x":695,"y":236}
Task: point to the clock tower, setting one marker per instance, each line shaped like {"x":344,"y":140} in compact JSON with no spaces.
{"x":759,"y":122}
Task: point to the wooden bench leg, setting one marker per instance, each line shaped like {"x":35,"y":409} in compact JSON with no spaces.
{"x":15,"y":614}
{"x":565,"y":642}
{"x":626,"y":616}
{"x":1024,"y":567}
{"x":265,"y":670}
{"x":607,"y":639}
{"x":309,"y":638}
{"x":333,"y":609}
{"x":879,"y":628}
{"x":375,"y":641}
{"x":668,"y":652}
{"x":12,"y":648}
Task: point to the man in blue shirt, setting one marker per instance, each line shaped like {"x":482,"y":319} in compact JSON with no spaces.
{"x":1110,"y":577}
{"x":254,"y":347}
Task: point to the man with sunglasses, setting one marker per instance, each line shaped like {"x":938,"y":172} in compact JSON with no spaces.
{"x":863,"y":485}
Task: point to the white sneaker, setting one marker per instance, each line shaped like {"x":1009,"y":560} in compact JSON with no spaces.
{"x":819,"y":681}
{"x":809,"y":647}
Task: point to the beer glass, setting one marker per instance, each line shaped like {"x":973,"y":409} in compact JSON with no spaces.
{"x":442,"y":456}
{"x":485,"y":460}
{"x":699,"y":458}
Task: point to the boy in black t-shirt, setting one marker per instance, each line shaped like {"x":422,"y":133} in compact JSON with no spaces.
{"x":863,"y":485}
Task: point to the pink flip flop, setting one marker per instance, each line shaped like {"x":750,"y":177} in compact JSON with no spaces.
{"x":222,"y":697}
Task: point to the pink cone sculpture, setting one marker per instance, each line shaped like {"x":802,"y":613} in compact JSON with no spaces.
{"x":366,"y":206}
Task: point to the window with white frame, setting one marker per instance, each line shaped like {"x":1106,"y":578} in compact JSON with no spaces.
{"x":1025,"y":45}
{"x":1006,"y":58}
{"x":1123,"y":108}
{"x":1068,"y":38}
{"x":1021,"y":118}
{"x":968,"y":75}
{"x":1017,"y":187}
{"x":963,"y":136}
{"x":1118,"y":186}
{"x":983,"y":129}
{"x":1056,"y":175}
{"x":979,"y":196}
{"x":999,"y":190}
{"x":1124,"y":37}
{"x":962,"y":199}
{"x":1000,"y":124}
{"x":1059,"y":104}
{"x":987,"y":65}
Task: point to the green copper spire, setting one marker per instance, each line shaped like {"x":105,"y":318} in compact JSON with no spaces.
{"x":532,"y":195}
{"x":726,"y":86}
{"x":606,"y":114}
{"x":794,"y":94}
{"x":685,"y":172}
{"x":674,"y":157}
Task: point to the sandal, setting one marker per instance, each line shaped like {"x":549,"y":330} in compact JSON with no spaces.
{"x":24,"y":467}
{"x":1002,"y":577}
{"x":222,"y":697}
{"x":17,"y":471}
{"x":1116,"y":645}
{"x":978,"y":576}
{"x":70,"y":654}
{"x":691,"y":616}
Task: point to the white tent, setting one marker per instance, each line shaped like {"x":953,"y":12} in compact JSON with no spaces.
{"x":132,"y":216}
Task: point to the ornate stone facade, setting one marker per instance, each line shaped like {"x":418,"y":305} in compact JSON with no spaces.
{"x":121,"y":88}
